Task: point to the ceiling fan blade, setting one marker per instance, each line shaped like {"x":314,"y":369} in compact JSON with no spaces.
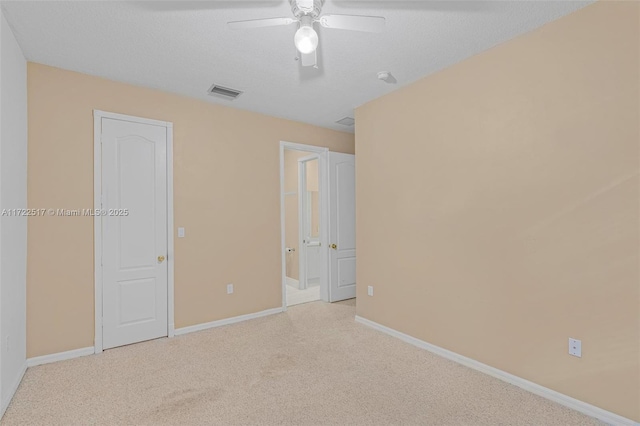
{"x":260,"y":23}
{"x":309,"y":59}
{"x":370,"y":24}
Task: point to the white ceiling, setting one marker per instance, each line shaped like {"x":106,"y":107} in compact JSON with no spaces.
{"x":185,"y":46}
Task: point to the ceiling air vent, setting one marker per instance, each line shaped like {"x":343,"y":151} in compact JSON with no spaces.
{"x":347,"y":121}
{"x":224,"y":92}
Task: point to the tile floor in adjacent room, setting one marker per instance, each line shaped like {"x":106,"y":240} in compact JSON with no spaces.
{"x":296,"y":296}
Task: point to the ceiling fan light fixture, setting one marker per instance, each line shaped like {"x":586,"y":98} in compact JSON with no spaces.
{"x":306,"y":39}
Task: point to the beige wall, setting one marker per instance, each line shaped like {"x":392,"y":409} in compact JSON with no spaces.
{"x":498,"y":207}
{"x":313,"y":177}
{"x":315,"y":214}
{"x":226,"y":196}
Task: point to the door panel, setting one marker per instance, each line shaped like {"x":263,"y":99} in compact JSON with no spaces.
{"x":346,"y":272}
{"x":136,"y":301}
{"x":342,"y":226}
{"x":136,"y":191}
{"x":134,"y":232}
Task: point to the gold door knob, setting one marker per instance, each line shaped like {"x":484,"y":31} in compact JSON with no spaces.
{"x":160,"y":259}
{"x":333,"y":246}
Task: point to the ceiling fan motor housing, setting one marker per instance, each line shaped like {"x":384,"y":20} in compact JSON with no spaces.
{"x":313,"y":11}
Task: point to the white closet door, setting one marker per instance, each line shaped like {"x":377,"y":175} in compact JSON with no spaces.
{"x":134,"y":232}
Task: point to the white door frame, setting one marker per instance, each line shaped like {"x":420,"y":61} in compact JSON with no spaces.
{"x":97,"y":222}
{"x":323,"y":187}
{"x":302,"y":208}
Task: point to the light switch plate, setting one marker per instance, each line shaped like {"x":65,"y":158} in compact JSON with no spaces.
{"x":370,"y":290}
{"x":229,"y":288}
{"x":575,"y":347}
{"x":180,"y":232}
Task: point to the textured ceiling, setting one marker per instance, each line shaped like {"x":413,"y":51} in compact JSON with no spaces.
{"x":185,"y":46}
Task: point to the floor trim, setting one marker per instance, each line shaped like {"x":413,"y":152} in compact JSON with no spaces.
{"x":567,"y":401}
{"x":12,"y":391}
{"x":60,"y":356}
{"x":226,"y":321}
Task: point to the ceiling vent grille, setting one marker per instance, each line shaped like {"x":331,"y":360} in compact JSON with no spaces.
{"x":224,"y":92}
{"x":347,"y":121}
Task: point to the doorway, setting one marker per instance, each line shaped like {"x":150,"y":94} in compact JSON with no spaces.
{"x":304,"y":263}
{"x":309,"y":173}
{"x":317,"y":220}
{"x":308,"y":228}
{"x":133,"y":224}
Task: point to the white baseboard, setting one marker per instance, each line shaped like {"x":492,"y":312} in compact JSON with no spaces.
{"x":226,"y":321}
{"x":293,"y":282}
{"x":60,"y":356}
{"x":6,"y":400}
{"x":567,"y":401}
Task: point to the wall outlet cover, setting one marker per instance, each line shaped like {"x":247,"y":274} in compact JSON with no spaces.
{"x":575,"y":347}
{"x":229,"y":288}
{"x":370,"y":290}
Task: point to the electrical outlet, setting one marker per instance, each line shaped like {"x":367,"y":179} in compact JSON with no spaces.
{"x":229,"y":288}
{"x":180,"y":232}
{"x":370,"y":290}
{"x":575,"y":347}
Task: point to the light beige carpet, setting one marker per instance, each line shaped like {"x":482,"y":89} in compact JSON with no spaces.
{"x":312,"y":365}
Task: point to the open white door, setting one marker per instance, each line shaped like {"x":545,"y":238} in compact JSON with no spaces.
{"x":342,"y":226}
{"x":134,"y":232}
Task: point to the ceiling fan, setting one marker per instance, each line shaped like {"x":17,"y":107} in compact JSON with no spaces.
{"x":306,"y":13}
